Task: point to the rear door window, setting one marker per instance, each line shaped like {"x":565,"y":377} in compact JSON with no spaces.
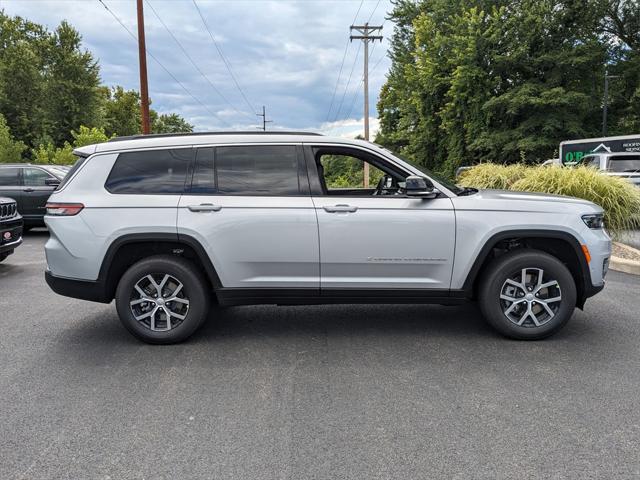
{"x":150,"y":172}
{"x":257,"y":170}
{"x":9,"y":177}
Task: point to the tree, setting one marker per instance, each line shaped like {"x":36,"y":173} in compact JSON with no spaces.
{"x":170,"y":123}
{"x":122,"y":111}
{"x":71,"y":84}
{"x":123,"y":117}
{"x":10,"y":149}
{"x":475,"y":80}
{"x":21,"y":84}
{"x":50,"y":87}
{"x":48,"y":153}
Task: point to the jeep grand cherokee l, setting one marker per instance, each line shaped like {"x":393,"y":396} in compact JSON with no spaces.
{"x":166,"y":224}
{"x":10,"y":227}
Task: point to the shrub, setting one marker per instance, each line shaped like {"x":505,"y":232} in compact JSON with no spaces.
{"x":619,"y":198}
{"x":10,"y":149}
{"x":48,"y":153}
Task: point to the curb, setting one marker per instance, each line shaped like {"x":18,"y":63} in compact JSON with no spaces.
{"x":624,"y":265}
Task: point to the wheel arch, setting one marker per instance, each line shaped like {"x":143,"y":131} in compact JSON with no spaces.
{"x":130,"y":248}
{"x":560,"y":244}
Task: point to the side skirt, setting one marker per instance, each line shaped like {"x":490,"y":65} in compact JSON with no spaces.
{"x":312,"y":296}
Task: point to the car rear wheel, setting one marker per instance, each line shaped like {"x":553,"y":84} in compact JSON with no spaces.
{"x":162,"y":299}
{"x":527,"y":294}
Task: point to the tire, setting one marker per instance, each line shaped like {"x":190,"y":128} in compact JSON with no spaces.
{"x":136,"y":296}
{"x":3,"y":256}
{"x":539,"y":316}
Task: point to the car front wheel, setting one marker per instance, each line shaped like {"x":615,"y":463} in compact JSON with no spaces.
{"x":527,"y":294}
{"x":162,"y":299}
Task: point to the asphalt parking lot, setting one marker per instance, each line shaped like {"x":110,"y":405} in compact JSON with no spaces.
{"x":321,"y":392}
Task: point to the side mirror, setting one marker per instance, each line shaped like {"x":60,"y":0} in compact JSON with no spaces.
{"x":419,"y":187}
{"x":51,"y":182}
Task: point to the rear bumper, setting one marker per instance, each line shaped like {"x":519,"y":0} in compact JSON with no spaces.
{"x":81,"y":289}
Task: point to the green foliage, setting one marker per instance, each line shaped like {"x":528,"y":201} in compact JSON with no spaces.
{"x":48,"y":153}
{"x":347,"y":172}
{"x":619,"y":198}
{"x":50,"y":87}
{"x":122,"y":111}
{"x":170,"y":123}
{"x":479,"y":80}
{"x":10,"y":149}
{"x":48,"y":84}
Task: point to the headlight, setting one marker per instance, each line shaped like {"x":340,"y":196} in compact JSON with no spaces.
{"x":595,"y":220}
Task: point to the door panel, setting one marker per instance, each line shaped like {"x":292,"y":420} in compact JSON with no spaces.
{"x":255,"y":241}
{"x":35,"y":192}
{"x":250,"y":208}
{"x":385,"y":242}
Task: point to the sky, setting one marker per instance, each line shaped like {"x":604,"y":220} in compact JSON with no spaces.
{"x":284,"y":54}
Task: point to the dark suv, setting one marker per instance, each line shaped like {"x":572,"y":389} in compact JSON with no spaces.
{"x":30,"y":186}
{"x":10,"y":227}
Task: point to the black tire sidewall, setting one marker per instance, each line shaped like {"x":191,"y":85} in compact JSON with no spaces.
{"x":194,"y":287}
{"x":511,"y":263}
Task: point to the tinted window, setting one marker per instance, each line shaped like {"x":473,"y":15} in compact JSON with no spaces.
{"x":34,"y":177}
{"x":624,"y":164}
{"x":259,"y":170}
{"x":150,"y":172}
{"x":9,"y":177}
{"x":204,"y":177}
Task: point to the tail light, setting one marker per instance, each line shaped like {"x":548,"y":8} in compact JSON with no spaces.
{"x":64,"y":209}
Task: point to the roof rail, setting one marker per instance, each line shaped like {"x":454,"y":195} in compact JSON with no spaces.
{"x":189,"y":134}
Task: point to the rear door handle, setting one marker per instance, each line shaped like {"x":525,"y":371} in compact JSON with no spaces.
{"x":205,"y":207}
{"x":340,"y":208}
{"x":29,"y":190}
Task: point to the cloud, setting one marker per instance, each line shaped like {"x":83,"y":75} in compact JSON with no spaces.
{"x":284,"y":54}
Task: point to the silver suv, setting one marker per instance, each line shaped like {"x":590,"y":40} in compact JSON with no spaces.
{"x":168,"y":224}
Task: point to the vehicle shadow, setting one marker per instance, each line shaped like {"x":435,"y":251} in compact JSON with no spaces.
{"x":274,"y":321}
{"x":246,"y":322}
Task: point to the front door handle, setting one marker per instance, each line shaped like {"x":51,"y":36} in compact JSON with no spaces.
{"x":205,"y":207}
{"x":28,"y":190}
{"x":340,"y":208}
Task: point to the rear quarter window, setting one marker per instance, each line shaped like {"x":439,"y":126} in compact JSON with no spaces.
{"x":150,"y":172}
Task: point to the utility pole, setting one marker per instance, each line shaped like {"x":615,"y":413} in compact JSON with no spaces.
{"x":142,"y":58}
{"x":264,"y":118}
{"x":606,"y":101}
{"x":365,"y":32}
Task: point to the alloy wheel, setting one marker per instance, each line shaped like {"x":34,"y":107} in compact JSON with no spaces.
{"x":159,"y":302}
{"x":529,"y":298}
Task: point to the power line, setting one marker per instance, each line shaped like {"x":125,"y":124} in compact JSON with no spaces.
{"x":374,"y":11}
{"x":161,"y":64}
{"x":355,"y":60}
{"x":224,"y":60}
{"x":344,"y":56}
{"x":195,"y":65}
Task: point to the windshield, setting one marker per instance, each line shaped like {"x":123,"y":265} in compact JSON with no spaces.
{"x":455,"y":189}
{"x":624,"y":164}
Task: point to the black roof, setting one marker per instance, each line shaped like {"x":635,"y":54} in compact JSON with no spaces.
{"x":233,"y":132}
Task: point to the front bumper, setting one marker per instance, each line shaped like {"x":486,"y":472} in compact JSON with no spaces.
{"x":14,"y":239}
